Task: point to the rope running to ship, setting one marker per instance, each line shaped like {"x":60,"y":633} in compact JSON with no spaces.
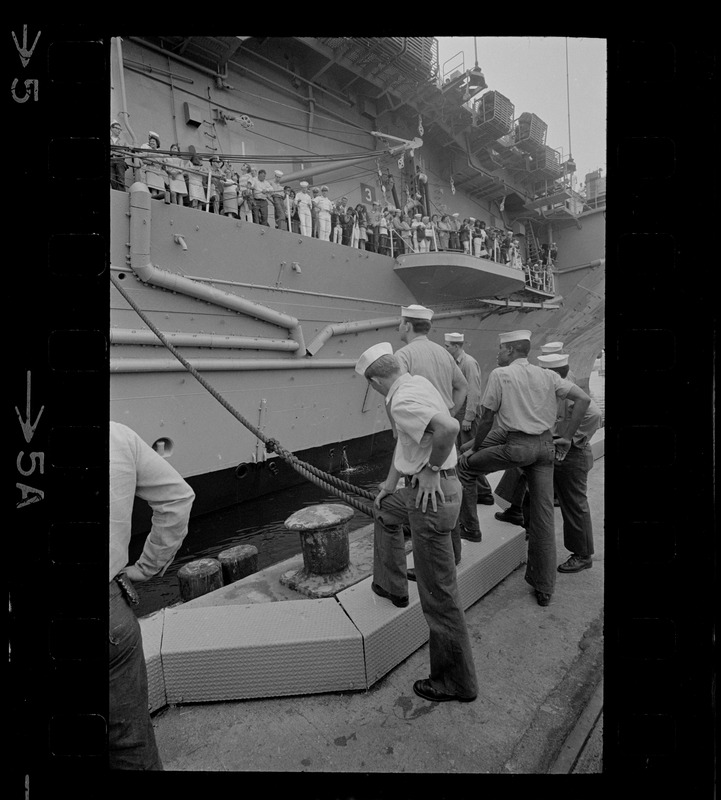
{"x":340,"y":488}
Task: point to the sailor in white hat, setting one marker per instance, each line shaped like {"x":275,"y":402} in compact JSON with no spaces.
{"x":303,"y":202}
{"x":522,"y":399}
{"x":555,"y":347}
{"x":425,"y":453}
{"x":551,"y":347}
{"x":324,"y":206}
{"x":421,"y":356}
{"x":553,"y":360}
{"x":570,"y":478}
{"x":469,"y":413}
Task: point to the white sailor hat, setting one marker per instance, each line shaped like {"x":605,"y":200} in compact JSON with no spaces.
{"x":514,"y":336}
{"x":324,"y":188}
{"x":278,"y":173}
{"x":114,"y":123}
{"x":552,"y":347}
{"x":416,"y":312}
{"x":456,"y":214}
{"x":553,"y":360}
{"x":375,"y":203}
{"x":417,"y":216}
{"x":454,"y":337}
{"x":472,"y":219}
{"x":304,"y":184}
{"x":372,"y":354}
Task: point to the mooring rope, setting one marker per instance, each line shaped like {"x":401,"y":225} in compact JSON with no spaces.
{"x":308,"y":471}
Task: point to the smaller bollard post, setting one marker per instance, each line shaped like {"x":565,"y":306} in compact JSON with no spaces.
{"x":199,"y":577}
{"x":323,"y":534}
{"x":238,"y":562}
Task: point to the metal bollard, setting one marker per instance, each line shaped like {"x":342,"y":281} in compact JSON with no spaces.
{"x":199,"y":577}
{"x":323,"y":534}
{"x":238,"y":562}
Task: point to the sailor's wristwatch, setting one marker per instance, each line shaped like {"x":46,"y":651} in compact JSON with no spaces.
{"x":433,"y":467}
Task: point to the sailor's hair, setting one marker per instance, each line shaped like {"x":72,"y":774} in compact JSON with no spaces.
{"x":520,"y":345}
{"x":418,"y":325}
{"x":383,"y":367}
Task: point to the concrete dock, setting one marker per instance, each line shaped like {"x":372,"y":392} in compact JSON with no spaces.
{"x":539,"y":708}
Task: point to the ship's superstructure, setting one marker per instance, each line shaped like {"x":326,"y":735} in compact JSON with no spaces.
{"x":275,"y":320}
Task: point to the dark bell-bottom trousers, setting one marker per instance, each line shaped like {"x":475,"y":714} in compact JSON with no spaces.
{"x":536,"y":454}
{"x":452,"y":668}
{"x":570,"y":483}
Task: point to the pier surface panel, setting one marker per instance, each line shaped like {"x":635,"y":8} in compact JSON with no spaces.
{"x":390,"y":634}
{"x":260,"y":650}
{"x":485,"y":564}
{"x":151,"y":630}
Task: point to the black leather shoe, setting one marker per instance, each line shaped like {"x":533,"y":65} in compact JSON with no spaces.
{"x":411,"y":574}
{"x":427,"y":692}
{"x":486,"y":501}
{"x":469,"y":538}
{"x":401,"y":602}
{"x":543,"y":598}
{"x":576,"y":563}
{"x":514,"y":519}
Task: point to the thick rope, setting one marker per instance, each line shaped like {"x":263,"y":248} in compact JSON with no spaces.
{"x":308,"y":471}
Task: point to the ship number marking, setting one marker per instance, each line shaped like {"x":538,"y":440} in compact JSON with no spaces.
{"x":30,"y":84}
{"x":29,"y":493}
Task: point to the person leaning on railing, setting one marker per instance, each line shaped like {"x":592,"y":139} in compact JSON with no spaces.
{"x":292,"y":209}
{"x":118,"y":162}
{"x":314,"y":211}
{"x":174,"y":168}
{"x":261,"y":192}
{"x":277,"y":198}
{"x":374,"y":220}
{"x":444,"y":232}
{"x":152,"y":172}
{"x":230,"y":192}
{"x":407,"y":233}
{"x":362,"y":217}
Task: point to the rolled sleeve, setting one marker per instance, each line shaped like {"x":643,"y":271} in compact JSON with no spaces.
{"x":171,"y":499}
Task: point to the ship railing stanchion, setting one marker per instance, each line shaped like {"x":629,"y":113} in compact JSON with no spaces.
{"x":207,"y":193}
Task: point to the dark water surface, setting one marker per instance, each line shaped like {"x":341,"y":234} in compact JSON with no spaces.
{"x":259,"y":522}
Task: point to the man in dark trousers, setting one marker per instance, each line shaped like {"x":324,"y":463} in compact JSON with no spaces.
{"x":425,"y":453}
{"x":523,"y":399}
{"x":570,"y":478}
{"x":421,"y":356}
{"x":136,"y":469}
{"x":469,"y":413}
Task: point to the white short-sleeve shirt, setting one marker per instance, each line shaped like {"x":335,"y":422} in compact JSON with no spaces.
{"x":524,"y":396}
{"x":413,"y":402}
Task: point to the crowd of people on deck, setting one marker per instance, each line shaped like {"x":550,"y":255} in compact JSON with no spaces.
{"x":248,"y":194}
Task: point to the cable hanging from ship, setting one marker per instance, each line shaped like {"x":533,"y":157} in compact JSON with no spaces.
{"x":342,"y":489}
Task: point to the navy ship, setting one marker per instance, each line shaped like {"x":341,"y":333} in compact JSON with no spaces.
{"x":274,"y":319}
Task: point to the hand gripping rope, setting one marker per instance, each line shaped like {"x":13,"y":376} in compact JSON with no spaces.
{"x":308,"y":471}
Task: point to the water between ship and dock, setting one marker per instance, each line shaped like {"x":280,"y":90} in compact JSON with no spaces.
{"x":260,"y":523}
